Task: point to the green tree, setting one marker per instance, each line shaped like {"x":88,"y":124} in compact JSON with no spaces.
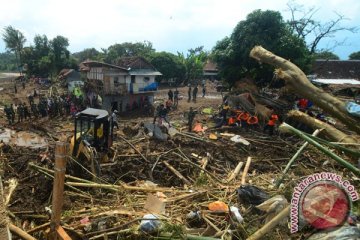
{"x":14,"y":41}
{"x":59,"y":53}
{"x":326,"y":55}
{"x":169,"y":65}
{"x":354,"y":56}
{"x":128,"y":49}
{"x":7,"y":61}
{"x":87,"y":53}
{"x":265,"y":28}
{"x":194,"y":62}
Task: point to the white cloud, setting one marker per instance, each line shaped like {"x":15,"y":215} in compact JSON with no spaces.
{"x":170,"y":25}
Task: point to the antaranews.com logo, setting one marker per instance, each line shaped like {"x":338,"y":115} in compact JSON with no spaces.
{"x":322,"y":200}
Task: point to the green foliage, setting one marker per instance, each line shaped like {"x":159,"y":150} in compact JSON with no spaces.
{"x":265,"y":28}
{"x":194,"y":63}
{"x":7,"y":61}
{"x":87,"y":53}
{"x":14,"y":41}
{"x":128,"y":49}
{"x":169,"y":65}
{"x":354,"y":56}
{"x":325,"y":55}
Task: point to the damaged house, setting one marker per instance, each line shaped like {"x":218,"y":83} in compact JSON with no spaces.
{"x":124,"y":86}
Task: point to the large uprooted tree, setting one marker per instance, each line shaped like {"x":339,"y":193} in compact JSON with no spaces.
{"x":297,"y":81}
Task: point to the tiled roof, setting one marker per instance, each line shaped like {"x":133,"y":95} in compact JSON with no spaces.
{"x":337,"y":69}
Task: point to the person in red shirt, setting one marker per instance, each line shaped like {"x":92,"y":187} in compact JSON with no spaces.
{"x":271,"y":124}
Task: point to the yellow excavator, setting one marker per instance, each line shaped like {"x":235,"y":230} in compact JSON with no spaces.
{"x":92,"y":138}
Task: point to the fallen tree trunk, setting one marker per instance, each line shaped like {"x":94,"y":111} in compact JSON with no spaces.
{"x":328,"y":130}
{"x":297,"y":81}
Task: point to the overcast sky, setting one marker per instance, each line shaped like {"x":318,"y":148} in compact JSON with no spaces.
{"x":171,"y":25}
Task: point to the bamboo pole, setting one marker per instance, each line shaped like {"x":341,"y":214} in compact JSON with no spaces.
{"x":18,"y":231}
{"x":270,"y":225}
{"x":235,"y":172}
{"x":292,"y":160}
{"x":352,"y":168}
{"x":246,"y":169}
{"x":58,"y":187}
{"x":177,"y":173}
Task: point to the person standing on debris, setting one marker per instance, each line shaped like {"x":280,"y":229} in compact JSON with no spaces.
{"x":20,"y":112}
{"x":171,"y":95}
{"x":26,"y":111}
{"x":195,"y":91}
{"x":7,"y":111}
{"x":271,"y":124}
{"x":15,"y":88}
{"x":114,"y":120}
{"x":189,"y":93}
{"x":23,"y":84}
{"x":176,"y":98}
{"x":12,"y":110}
{"x":191,"y":116}
{"x":161,"y":113}
{"x":168,"y":104}
{"x":31,"y":99}
{"x":223,"y":114}
{"x":203,"y":91}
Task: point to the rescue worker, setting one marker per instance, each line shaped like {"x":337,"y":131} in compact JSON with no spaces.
{"x":114,"y":120}
{"x":232,"y":121}
{"x":189,"y":94}
{"x":161,"y":113}
{"x":168,"y":105}
{"x":203,"y":91}
{"x":26,"y":112}
{"x":176,"y":98}
{"x":191,"y":116}
{"x":243,"y":118}
{"x":223,"y":114}
{"x":171,"y":95}
{"x":271,"y":124}
{"x":7,"y":111}
{"x":12,"y":113}
{"x":195,"y":91}
{"x":20,"y":112}
{"x":253,"y":122}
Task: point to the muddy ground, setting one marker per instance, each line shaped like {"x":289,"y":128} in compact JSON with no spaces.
{"x":88,"y":213}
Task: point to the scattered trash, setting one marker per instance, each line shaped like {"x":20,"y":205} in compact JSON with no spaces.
{"x":236,"y":213}
{"x":239,"y":139}
{"x":154,"y":204}
{"x":150,"y":223}
{"x":342,"y":233}
{"x":273,"y":206}
{"x":194,"y":219}
{"x":207,"y":111}
{"x":85,"y":220}
{"x":198,"y":127}
{"x":155,"y":131}
{"x":218,"y":206}
{"x":251,"y":195}
{"x":227,"y":134}
{"x":353,"y":109}
{"x":213,"y":136}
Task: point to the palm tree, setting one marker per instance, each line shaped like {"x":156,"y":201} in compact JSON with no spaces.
{"x":14,"y":41}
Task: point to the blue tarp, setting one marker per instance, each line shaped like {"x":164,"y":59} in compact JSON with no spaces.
{"x":353,"y":109}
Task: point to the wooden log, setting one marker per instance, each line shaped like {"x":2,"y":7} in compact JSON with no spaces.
{"x":58,"y":187}
{"x":235,"y":172}
{"x":177,"y":173}
{"x":246,"y":169}
{"x":296,"y":80}
{"x":270,"y":225}
{"x":18,"y":231}
{"x":4,"y":227}
{"x":12,"y":185}
{"x":292,"y":160}
{"x":328,"y":130}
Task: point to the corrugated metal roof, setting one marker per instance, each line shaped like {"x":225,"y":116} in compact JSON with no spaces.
{"x":336,"y":81}
{"x":146,"y":72}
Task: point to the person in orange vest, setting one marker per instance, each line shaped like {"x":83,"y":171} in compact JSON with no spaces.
{"x":232,"y":120}
{"x":253,"y":122}
{"x":244,"y":117}
{"x":271,"y":124}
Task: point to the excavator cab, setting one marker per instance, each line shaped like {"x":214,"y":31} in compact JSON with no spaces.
{"x":92,"y":136}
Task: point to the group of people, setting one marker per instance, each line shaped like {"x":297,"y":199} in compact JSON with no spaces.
{"x":193,"y":93}
{"x":242,"y":118}
{"x":51,"y":106}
